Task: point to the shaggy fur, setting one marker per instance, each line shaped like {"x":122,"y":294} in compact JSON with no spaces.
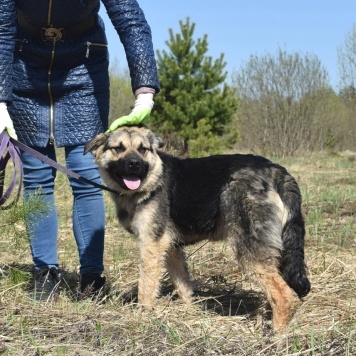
{"x":168,"y":203}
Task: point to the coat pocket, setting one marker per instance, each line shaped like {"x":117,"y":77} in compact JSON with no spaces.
{"x":19,"y":43}
{"x":93,"y":46}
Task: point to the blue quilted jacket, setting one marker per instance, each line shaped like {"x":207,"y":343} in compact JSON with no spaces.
{"x":55,"y":77}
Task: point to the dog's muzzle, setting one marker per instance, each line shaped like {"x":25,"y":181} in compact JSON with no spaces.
{"x":129,"y":172}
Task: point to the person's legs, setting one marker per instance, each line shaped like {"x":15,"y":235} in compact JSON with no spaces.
{"x":42,"y":223}
{"x":88,"y":216}
{"x":42,"y":227}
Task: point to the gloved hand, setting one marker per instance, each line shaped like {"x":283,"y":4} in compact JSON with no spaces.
{"x":6,"y":122}
{"x":140,"y":112}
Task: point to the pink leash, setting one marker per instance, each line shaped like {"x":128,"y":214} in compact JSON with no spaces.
{"x":9,"y":151}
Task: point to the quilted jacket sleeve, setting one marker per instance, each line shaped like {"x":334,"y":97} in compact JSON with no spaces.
{"x":7,"y":43}
{"x":135,"y":35}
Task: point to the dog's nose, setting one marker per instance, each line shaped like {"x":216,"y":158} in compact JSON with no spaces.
{"x":133,"y":163}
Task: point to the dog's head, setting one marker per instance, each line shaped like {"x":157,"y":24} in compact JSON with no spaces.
{"x":127,"y":158}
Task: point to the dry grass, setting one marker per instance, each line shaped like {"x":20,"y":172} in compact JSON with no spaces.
{"x":230,"y":316}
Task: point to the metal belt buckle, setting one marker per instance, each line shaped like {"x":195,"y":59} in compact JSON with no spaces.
{"x":52,"y":34}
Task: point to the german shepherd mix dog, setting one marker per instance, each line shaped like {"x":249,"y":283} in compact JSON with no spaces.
{"x":168,"y":203}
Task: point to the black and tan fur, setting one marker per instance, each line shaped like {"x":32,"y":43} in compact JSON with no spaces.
{"x":247,"y":200}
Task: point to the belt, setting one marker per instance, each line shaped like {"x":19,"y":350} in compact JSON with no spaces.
{"x":54,"y":34}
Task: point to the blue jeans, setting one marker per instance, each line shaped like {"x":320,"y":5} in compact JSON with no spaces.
{"x":88,"y":214}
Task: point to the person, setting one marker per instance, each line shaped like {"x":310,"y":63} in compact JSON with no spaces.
{"x":54,"y":92}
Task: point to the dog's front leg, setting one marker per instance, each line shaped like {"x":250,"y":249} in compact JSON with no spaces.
{"x":152,"y":258}
{"x":178,"y":271}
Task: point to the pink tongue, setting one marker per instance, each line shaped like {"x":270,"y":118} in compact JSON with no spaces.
{"x":132,"y":182}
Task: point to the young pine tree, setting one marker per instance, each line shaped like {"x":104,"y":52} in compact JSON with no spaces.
{"x":193,"y":88}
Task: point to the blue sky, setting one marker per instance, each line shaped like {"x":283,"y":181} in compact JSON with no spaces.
{"x":240,"y":28}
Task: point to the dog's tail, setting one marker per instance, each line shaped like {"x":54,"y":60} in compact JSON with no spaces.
{"x":292,"y":266}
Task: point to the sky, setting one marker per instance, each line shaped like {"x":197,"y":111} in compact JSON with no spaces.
{"x":241,"y":28}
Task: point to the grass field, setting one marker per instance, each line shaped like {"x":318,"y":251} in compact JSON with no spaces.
{"x":230,"y":317}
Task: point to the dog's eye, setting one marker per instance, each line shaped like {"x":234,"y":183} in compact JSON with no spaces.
{"x":142,"y":150}
{"x":119,"y":149}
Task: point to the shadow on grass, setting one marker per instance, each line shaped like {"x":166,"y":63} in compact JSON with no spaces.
{"x":226,"y":303}
{"x":220,"y":298}
{"x":212,"y":294}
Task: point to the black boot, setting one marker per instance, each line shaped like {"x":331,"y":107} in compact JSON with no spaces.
{"x":91,"y":284}
{"x":46,"y":284}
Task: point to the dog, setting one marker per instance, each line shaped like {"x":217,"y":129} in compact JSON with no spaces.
{"x":169,"y":203}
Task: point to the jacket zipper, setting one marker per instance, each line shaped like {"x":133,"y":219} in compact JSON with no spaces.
{"x":51,"y":112}
{"x":51,"y":107}
{"x":88,"y":44}
{"x":49,"y":77}
{"x":49,"y":14}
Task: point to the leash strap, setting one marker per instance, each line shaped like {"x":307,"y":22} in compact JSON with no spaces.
{"x":12,"y":148}
{"x":58,"y":166}
{"x":7,"y":151}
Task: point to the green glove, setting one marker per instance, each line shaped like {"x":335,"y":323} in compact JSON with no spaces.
{"x":141,"y":111}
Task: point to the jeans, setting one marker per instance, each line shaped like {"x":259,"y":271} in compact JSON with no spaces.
{"x":88,"y":213}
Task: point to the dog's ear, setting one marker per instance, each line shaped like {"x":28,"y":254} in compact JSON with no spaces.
{"x":95,"y":143}
{"x":155,"y":141}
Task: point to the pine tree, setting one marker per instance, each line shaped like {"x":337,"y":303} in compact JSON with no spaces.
{"x":192,"y":89}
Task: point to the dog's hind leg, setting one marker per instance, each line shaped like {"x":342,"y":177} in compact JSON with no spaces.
{"x":152,"y":260}
{"x":283,"y":300}
{"x":178,"y":271}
